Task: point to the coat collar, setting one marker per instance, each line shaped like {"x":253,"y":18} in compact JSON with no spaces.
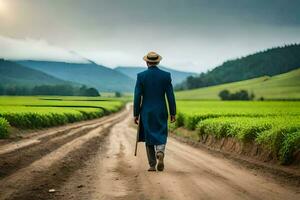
{"x":153,"y":67}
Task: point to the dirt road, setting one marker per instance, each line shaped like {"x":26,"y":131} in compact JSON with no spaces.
{"x":94,"y":160}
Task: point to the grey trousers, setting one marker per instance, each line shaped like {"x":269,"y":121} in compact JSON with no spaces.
{"x":151,"y":153}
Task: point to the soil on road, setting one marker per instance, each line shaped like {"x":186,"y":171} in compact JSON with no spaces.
{"x":94,"y":160}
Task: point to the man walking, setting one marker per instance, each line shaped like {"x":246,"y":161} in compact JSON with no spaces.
{"x":150,"y":110}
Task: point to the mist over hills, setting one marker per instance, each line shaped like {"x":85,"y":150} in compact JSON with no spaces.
{"x":90,"y":74}
{"x":177,"y":76}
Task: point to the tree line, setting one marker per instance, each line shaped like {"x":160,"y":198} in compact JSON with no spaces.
{"x":239,"y":95}
{"x":60,"y":90}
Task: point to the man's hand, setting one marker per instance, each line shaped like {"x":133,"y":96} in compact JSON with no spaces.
{"x":172,"y":118}
{"x":136,"y":120}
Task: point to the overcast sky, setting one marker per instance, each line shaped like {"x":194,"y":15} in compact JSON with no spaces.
{"x":191,"y":35}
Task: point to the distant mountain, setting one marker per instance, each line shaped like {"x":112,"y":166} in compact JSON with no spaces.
{"x":12,"y":73}
{"x":90,"y":74}
{"x":177,"y":76}
{"x":265,"y":63}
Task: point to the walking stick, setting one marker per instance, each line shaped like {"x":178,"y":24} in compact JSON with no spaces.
{"x":137,"y":137}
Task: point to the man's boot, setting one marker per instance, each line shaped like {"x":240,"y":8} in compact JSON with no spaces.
{"x":160,"y":158}
{"x":152,"y":169}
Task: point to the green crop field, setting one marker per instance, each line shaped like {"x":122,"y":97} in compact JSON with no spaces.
{"x":39,"y":112}
{"x":274,"y":124}
{"x":283,"y":86}
{"x":195,"y":111}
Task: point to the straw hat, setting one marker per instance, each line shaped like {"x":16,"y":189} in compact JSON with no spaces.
{"x":152,"y":57}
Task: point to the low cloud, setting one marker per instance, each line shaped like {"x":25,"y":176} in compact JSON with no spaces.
{"x":112,"y":58}
{"x":32,"y":49}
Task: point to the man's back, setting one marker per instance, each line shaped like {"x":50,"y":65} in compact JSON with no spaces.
{"x":154,"y":83}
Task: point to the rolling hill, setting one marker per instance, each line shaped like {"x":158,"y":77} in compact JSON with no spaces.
{"x":12,"y":73}
{"x":177,"y":76}
{"x":265,"y":63}
{"x":90,"y":74}
{"x":283,"y":86}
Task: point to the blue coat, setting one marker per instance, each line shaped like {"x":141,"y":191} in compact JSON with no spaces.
{"x":152,"y":86}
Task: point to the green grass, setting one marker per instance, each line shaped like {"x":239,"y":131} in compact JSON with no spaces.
{"x":39,"y":112}
{"x":283,"y":86}
{"x":273,"y":124}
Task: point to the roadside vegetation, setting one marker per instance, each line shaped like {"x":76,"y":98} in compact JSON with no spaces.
{"x":4,"y":126}
{"x":40,"y":112}
{"x":274,"y":125}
